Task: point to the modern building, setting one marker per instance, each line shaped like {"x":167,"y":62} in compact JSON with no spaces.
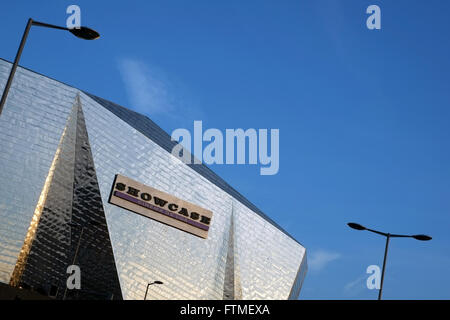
{"x":89,"y":183}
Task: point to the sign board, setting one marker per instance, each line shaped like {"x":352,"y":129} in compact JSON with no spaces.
{"x":160,"y":206}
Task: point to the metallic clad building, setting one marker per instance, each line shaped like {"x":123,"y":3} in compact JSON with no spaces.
{"x":60,"y":151}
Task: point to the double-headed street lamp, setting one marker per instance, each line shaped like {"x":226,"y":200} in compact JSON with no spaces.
{"x":149,"y":284}
{"x":421,"y":237}
{"x":82,"y":32}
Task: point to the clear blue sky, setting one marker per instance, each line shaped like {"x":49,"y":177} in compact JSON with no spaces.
{"x":363,"y":115}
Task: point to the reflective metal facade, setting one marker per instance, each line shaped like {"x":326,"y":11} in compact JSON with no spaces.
{"x":246,"y":255}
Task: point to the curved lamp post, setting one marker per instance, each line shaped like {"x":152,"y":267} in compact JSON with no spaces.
{"x":421,"y":237}
{"x":83,"y":33}
{"x":149,"y":284}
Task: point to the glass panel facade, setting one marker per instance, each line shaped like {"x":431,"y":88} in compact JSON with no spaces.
{"x":246,"y":255}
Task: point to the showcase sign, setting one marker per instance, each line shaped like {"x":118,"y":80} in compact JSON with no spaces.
{"x":157,"y":205}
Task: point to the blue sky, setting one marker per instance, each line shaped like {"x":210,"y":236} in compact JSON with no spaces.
{"x":363,"y":115}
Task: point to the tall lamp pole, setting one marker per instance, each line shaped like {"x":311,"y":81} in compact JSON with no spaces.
{"x":388,"y":236}
{"x":82,"y":32}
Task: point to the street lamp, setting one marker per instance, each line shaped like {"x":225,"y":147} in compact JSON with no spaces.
{"x":82,"y":32}
{"x":149,"y":284}
{"x":421,"y":237}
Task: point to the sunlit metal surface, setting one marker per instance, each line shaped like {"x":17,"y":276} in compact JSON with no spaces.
{"x":266,"y":264}
{"x":32,"y":229}
{"x":31,"y":127}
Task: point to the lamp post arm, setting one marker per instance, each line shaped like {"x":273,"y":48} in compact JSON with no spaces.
{"x":378,"y":232}
{"x":400,"y":236}
{"x":46,"y":25}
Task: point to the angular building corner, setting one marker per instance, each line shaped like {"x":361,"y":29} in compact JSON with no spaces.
{"x":61,"y":150}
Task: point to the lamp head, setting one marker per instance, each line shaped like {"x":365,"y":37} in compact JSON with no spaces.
{"x":356,"y":226}
{"x":85,"y":33}
{"x":421,"y":237}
